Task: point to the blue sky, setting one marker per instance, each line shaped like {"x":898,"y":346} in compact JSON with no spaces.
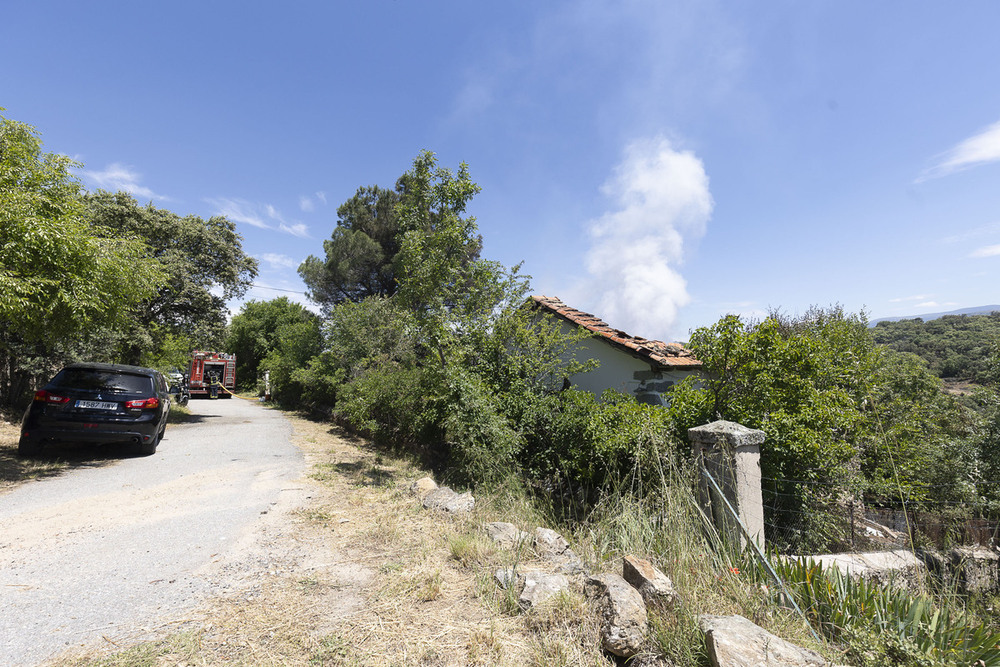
{"x":656,"y":163}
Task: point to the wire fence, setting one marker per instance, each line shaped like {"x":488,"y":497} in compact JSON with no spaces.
{"x":811,"y":517}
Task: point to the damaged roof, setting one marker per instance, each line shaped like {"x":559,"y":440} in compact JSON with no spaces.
{"x":667,"y":355}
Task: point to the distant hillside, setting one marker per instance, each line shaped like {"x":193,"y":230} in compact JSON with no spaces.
{"x":977,"y":310}
{"x":955,"y":346}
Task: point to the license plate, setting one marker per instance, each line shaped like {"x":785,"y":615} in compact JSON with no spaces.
{"x":97,"y":405}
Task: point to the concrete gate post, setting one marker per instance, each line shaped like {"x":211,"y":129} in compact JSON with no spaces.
{"x":731,"y":454}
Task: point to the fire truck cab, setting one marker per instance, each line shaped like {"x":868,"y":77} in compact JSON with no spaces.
{"x":213,"y":374}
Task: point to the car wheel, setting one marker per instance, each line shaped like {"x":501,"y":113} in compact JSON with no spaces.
{"x":148,"y":448}
{"x":26,"y":447}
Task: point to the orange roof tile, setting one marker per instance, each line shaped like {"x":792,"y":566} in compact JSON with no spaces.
{"x":667,"y":355}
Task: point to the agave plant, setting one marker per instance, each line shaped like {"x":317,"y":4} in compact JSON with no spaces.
{"x":839,"y":604}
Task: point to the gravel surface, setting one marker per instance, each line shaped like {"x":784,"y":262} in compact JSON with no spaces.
{"x":108,"y":553}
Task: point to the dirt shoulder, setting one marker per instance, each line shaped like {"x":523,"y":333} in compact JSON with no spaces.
{"x":359,"y":573}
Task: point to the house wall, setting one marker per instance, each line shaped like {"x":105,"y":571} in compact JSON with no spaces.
{"x":623,"y":372}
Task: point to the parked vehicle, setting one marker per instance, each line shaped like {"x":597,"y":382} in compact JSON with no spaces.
{"x":98,"y":404}
{"x":213,"y":374}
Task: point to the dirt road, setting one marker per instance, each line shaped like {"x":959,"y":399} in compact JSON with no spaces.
{"x":109,"y":552}
{"x":253,"y":537}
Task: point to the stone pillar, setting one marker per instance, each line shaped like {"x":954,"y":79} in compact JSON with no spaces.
{"x":731,"y":453}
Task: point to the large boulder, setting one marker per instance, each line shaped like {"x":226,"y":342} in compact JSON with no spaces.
{"x":971,"y":570}
{"x":899,"y":567}
{"x":625,"y":623}
{"x":733,"y":641}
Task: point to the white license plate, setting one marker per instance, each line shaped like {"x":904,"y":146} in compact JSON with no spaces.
{"x":96,"y":405}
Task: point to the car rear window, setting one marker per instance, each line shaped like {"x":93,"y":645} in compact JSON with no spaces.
{"x":92,"y":379}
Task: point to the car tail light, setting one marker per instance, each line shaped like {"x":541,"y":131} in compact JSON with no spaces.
{"x":48,"y":397}
{"x":152,"y":402}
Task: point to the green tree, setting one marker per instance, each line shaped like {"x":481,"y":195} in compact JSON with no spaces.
{"x":60,"y":278}
{"x":296,"y":342}
{"x":442,"y":281}
{"x":844,"y":417}
{"x":359,"y":253}
{"x":954,"y":346}
{"x":204,"y":264}
{"x":256,"y":331}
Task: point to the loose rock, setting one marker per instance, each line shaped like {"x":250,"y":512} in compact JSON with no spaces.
{"x":549,"y":543}
{"x":733,"y":641}
{"x":539,"y":587}
{"x":422,"y":487}
{"x":653,"y":585}
{"x":445,"y":499}
{"x":506,"y":535}
{"x":506,"y":577}
{"x":554,"y":548}
{"x":625,"y":622}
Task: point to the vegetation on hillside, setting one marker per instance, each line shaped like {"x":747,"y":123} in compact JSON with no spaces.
{"x":954,"y":346}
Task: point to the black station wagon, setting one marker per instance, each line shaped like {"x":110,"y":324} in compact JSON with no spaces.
{"x":98,"y":404}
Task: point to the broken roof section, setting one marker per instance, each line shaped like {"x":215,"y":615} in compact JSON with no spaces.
{"x":669,"y":356}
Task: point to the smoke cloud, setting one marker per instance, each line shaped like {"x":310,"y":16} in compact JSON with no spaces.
{"x":662,"y":202}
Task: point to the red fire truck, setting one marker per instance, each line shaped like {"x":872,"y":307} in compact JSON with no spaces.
{"x":213,"y":374}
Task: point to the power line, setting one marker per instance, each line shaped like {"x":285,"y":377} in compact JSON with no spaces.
{"x":277,"y":289}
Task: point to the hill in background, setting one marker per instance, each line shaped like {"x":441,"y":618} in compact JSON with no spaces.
{"x":955,"y":345}
{"x":976,"y":310}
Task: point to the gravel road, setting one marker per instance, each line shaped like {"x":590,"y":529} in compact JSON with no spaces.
{"x":107,"y":552}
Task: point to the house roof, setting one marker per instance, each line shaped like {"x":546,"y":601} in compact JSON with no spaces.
{"x":667,"y":355}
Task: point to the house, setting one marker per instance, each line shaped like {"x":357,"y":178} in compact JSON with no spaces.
{"x":630,"y":364}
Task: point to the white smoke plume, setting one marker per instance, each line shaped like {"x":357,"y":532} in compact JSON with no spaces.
{"x":662,"y":203}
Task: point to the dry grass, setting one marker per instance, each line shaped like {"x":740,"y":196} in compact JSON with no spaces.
{"x":383,"y":582}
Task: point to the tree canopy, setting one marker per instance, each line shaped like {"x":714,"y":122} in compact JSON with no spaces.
{"x":954,"y":346}
{"x":260,"y":328}
{"x":842,"y":414}
{"x":359,"y":253}
{"x":203,"y":262}
{"x":362,"y":254}
{"x":60,"y":277}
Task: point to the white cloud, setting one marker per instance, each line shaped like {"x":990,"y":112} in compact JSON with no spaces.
{"x":277,"y":261}
{"x":916,"y":297}
{"x":239,"y":210}
{"x":295,"y":229}
{"x":307,"y":203}
{"x":263,"y":216}
{"x":986,"y":251}
{"x":990,"y":229}
{"x":118,"y":177}
{"x":662,"y":201}
{"x":982,"y":148}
